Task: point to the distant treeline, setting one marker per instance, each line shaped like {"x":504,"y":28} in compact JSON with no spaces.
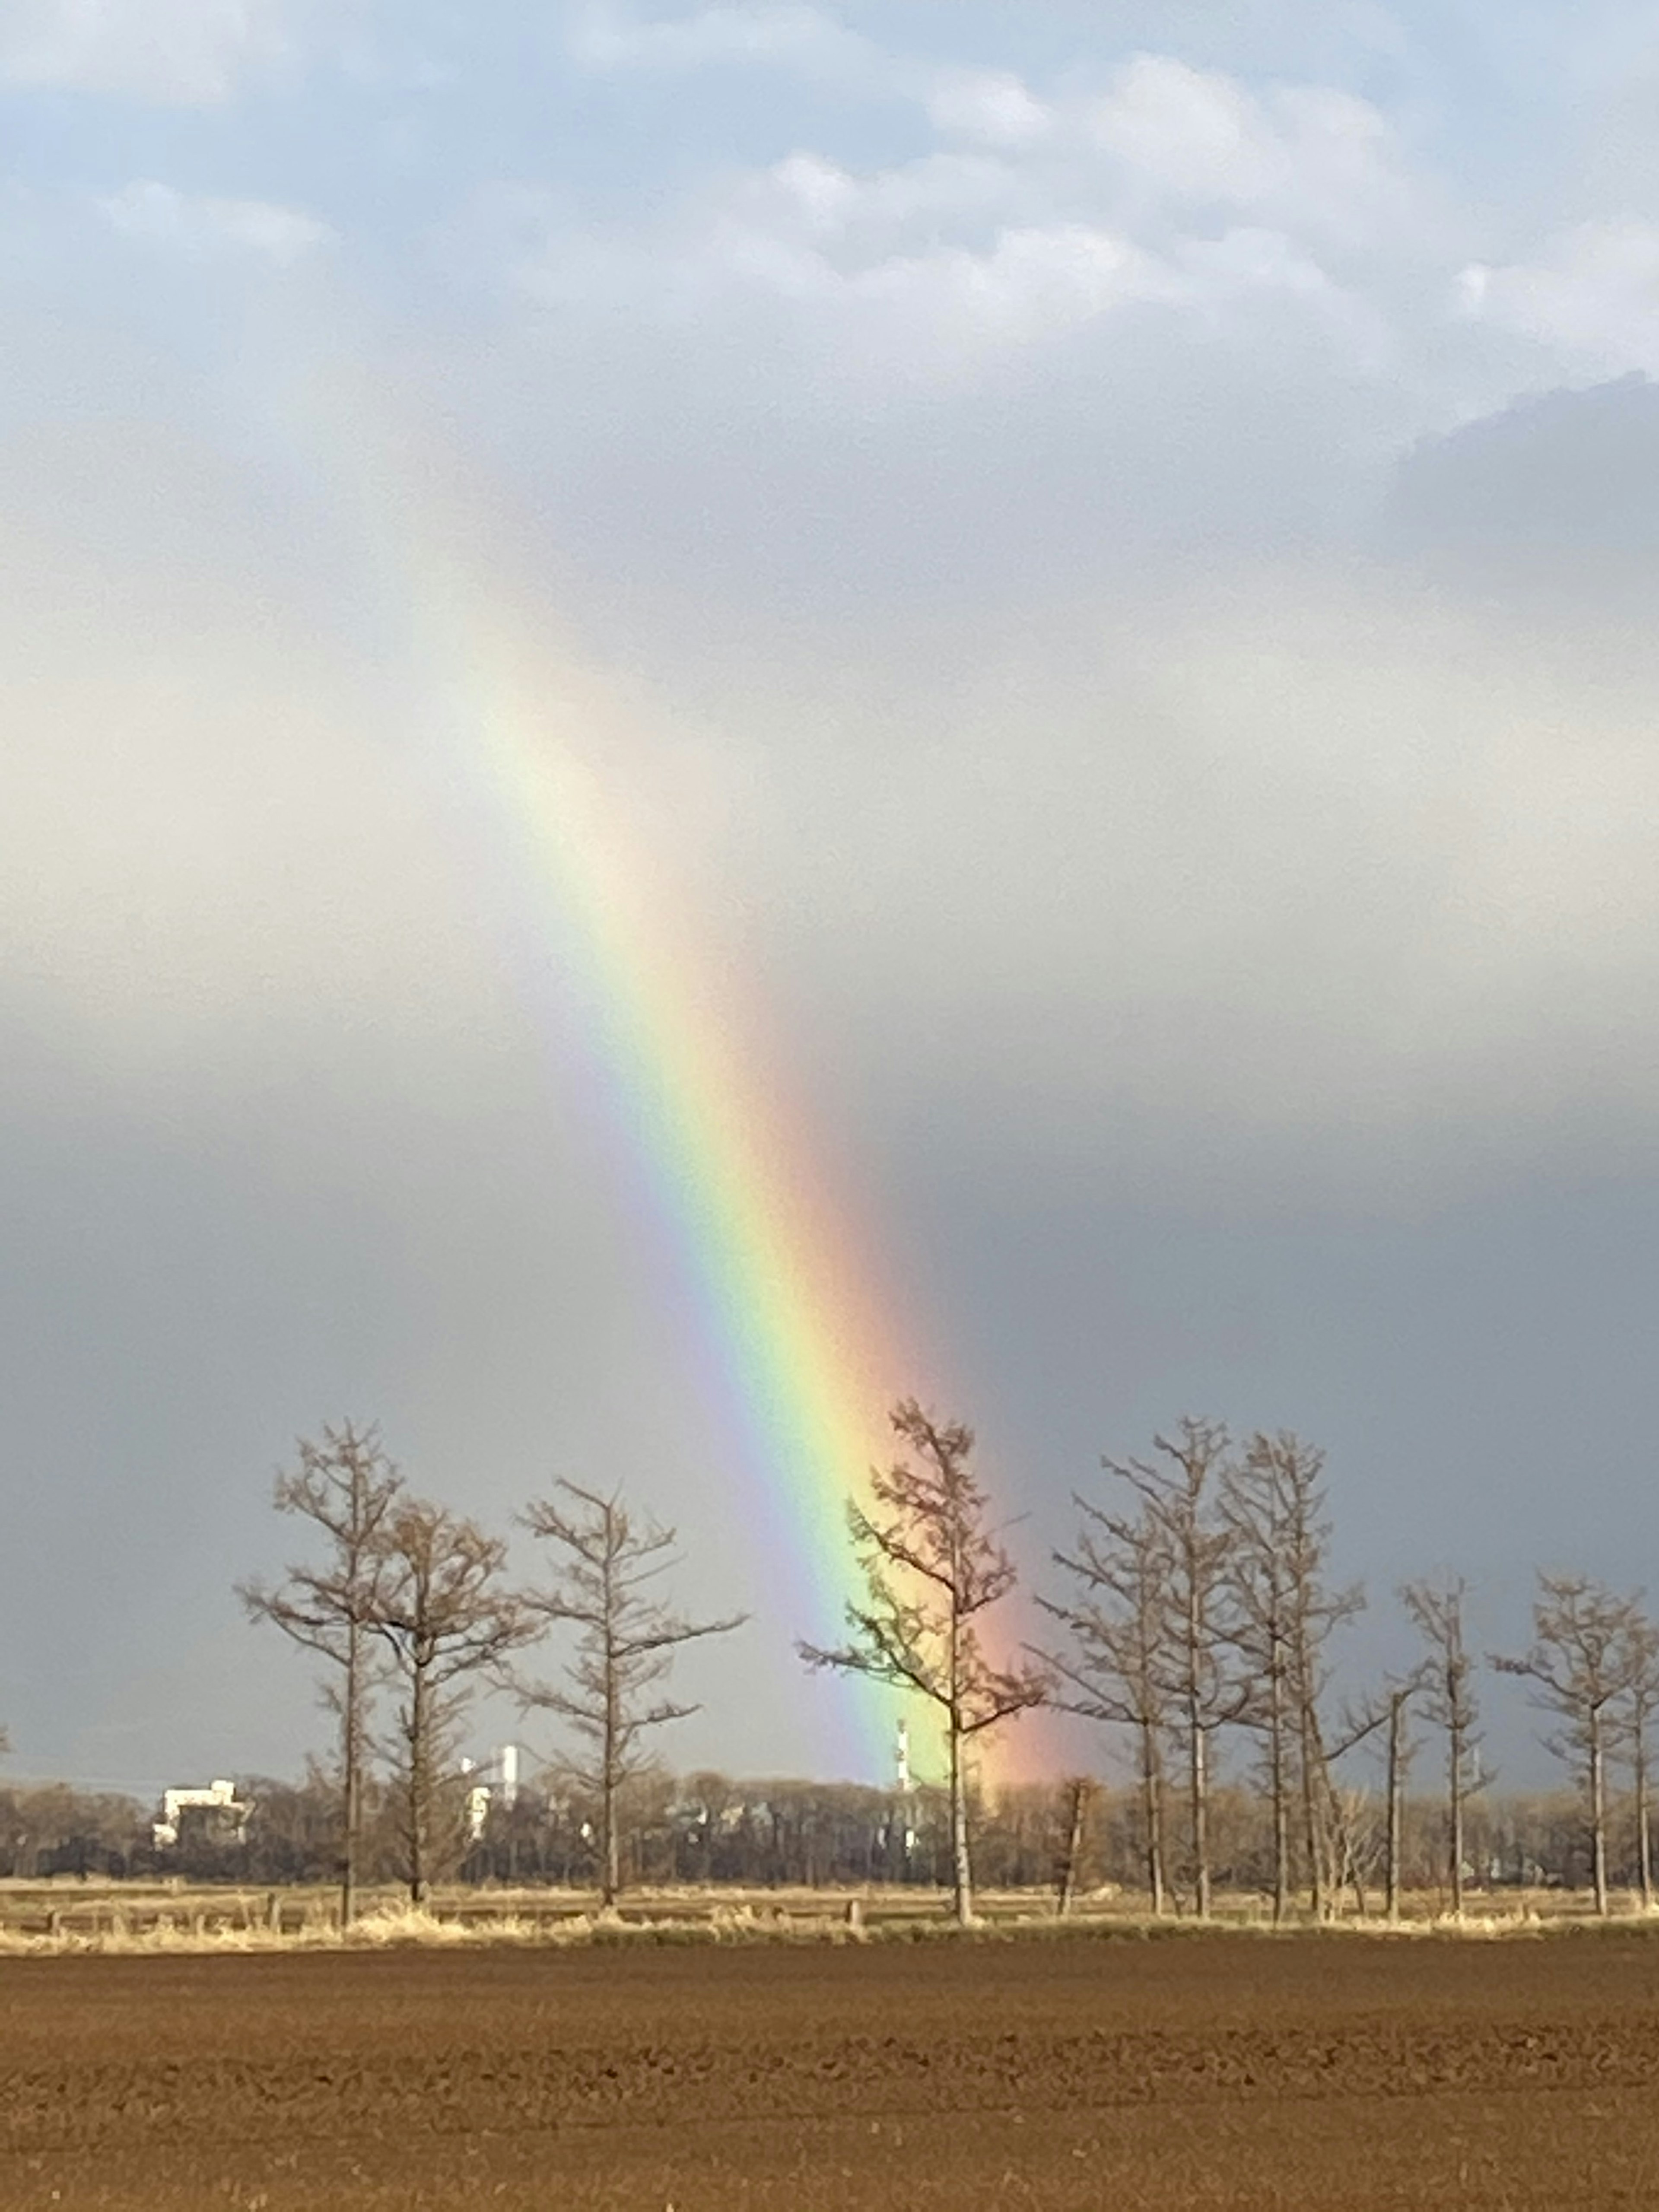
{"x":711,"y":1828}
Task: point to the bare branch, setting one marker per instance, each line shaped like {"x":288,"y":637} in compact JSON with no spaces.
{"x":448,"y":1621}
{"x":349,"y":1488}
{"x":932,"y":1566}
{"x":626,"y":1642}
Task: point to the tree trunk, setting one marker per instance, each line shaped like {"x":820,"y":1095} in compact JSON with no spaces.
{"x":351,"y":1746}
{"x":420,"y":1791}
{"x":1344,"y":1863}
{"x":1644,"y":1821}
{"x":1598,"y":1811}
{"x":1073,"y":1847}
{"x":1310,"y":1815}
{"x":1396,"y":1801}
{"x":1281,"y":1810}
{"x":961,"y":1882}
{"x":1152,"y":1784}
{"x":1198,"y":1782}
{"x":609,"y":1845}
{"x":1454,"y":1817}
{"x":610,"y":1839}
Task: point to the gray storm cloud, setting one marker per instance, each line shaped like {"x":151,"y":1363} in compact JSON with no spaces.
{"x":1114,"y":911}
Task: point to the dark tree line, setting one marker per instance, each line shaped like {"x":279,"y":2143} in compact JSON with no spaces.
{"x":758,"y":1834}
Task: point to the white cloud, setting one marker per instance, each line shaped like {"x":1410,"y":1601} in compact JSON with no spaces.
{"x":183,"y":52}
{"x":1592,"y":298}
{"x":828,"y":252}
{"x":994,"y":105}
{"x":1309,"y":156}
{"x":797,"y":38}
{"x":1179,"y":190}
{"x":1030,"y":284}
{"x":869,"y":216}
{"x":198,"y":226}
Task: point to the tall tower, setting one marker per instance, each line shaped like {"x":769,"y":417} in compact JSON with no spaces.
{"x":906,"y":1788}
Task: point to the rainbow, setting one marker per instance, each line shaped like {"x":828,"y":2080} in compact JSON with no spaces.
{"x":801,"y":1359}
{"x":803,"y":1356}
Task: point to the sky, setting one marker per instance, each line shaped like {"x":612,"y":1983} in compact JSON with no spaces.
{"x":1102,"y":557}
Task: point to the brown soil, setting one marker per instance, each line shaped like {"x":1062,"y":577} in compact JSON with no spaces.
{"x":1231,"y":2071}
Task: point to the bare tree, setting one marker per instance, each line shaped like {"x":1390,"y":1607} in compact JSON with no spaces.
{"x":1117,"y":1668}
{"x":449,"y":1622}
{"x":932,"y":1568}
{"x":347,"y":1487}
{"x":626,"y":1643}
{"x":1450,"y":1703}
{"x":1579,"y":1664}
{"x":1273,"y":1505}
{"x":1179,"y":1495}
{"x":1260,"y":1572}
{"x":1284,"y":1614}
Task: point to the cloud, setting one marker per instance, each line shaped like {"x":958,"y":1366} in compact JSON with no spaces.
{"x":198,"y":225}
{"x":180,"y":828}
{"x":1309,"y":157}
{"x":801,"y":38}
{"x":969,"y":456}
{"x":1559,"y":486}
{"x":994,"y":105}
{"x":1591,"y":298}
{"x":190,"y":53}
{"x":1337,"y":862}
{"x":1029,"y":219}
{"x":209,"y":849}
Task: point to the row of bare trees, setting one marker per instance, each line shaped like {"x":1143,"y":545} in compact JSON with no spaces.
{"x":410,"y":1607}
{"x":1200,"y":1606}
{"x":1201,"y":1601}
{"x":1197,"y":1612}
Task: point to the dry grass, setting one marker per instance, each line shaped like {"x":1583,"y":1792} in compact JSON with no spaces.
{"x":38,"y":1921}
{"x":215,"y":1925}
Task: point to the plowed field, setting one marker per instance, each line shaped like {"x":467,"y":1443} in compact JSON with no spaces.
{"x":1227,"y":2071}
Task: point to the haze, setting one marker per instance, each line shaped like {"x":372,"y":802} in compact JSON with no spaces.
{"x":1114,"y":550}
